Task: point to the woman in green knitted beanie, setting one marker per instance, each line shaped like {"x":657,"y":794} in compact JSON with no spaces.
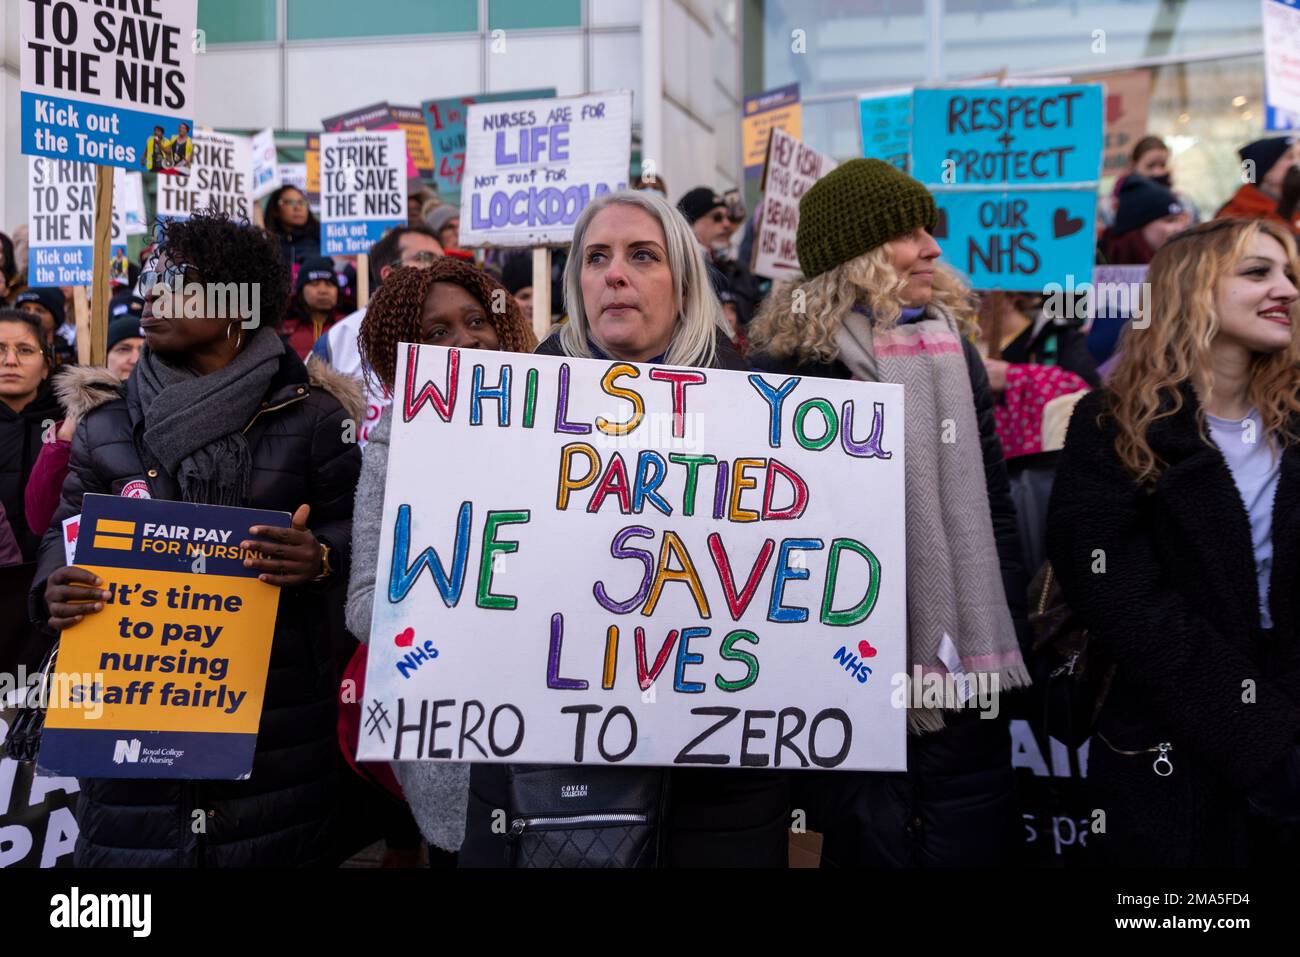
{"x":877,"y":304}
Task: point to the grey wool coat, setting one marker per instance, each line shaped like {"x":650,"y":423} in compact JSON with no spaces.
{"x":437,"y":792}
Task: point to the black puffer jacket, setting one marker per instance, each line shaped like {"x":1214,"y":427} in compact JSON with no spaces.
{"x":955,"y":805}
{"x":1177,"y":611}
{"x":284,"y":814}
{"x":20,"y":444}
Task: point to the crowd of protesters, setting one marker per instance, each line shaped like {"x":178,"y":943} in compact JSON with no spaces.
{"x":1167,"y":450}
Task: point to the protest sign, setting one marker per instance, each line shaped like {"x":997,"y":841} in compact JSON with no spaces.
{"x":1014,"y":173}
{"x":61,"y":221}
{"x":1007,"y":136}
{"x":386,"y":116}
{"x":686,"y":577}
{"x":37,"y":828}
{"x":791,"y":168}
{"x":37,"y":823}
{"x":369,"y":117}
{"x":266,"y":171}
{"x":99,"y":80}
{"x":445,"y":123}
{"x":886,"y":123}
{"x":221,"y":179}
{"x":311,"y":166}
{"x":167,"y":680}
{"x":769,"y":110}
{"x":363,"y":188}
{"x":419,"y":151}
{"x":1282,"y":55}
{"x":1128,"y":99}
{"x":532,"y":166}
{"x":128,"y":202}
{"x":1018,"y":240}
{"x":295,"y":175}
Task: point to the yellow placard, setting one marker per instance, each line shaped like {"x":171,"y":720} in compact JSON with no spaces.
{"x":170,"y":652}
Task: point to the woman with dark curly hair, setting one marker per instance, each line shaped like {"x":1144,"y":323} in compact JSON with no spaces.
{"x":219,"y":411}
{"x":290,"y":220}
{"x":454,"y":304}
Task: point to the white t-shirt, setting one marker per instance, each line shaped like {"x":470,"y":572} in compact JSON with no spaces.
{"x":1256,"y":466}
{"x":338,"y":347}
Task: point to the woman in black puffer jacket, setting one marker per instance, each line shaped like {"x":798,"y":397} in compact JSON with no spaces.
{"x":876,"y":305}
{"x":207,"y":395}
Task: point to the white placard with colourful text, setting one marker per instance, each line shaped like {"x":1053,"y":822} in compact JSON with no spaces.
{"x":589,"y":561}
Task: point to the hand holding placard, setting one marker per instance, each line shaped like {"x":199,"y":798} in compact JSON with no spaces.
{"x":288,"y":556}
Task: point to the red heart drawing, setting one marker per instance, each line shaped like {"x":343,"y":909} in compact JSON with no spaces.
{"x":865,"y":649}
{"x":405,"y":638}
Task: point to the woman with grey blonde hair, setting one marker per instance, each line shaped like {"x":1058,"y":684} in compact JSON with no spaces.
{"x":875,"y":304}
{"x":636,"y":289}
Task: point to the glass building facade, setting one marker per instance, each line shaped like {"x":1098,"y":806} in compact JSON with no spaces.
{"x":1205,"y":56}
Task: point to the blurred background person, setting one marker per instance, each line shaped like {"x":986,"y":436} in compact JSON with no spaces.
{"x":1264,"y":165}
{"x":79,"y":389}
{"x":314,"y":308}
{"x":29,"y":411}
{"x":290,"y":220}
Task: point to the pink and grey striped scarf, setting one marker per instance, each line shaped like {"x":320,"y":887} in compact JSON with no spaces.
{"x":957,"y":617}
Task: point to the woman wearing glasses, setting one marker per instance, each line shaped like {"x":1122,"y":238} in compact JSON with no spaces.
{"x":219,"y":411}
{"x":27,"y":407}
{"x":1174,"y":528}
{"x":290,"y":220}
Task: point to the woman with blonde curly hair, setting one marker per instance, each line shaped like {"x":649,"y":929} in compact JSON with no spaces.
{"x":875,"y":304}
{"x":449,"y":303}
{"x":1174,"y":529}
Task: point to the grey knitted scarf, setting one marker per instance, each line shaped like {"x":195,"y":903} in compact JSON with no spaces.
{"x":193,"y":424}
{"x":957,"y":617}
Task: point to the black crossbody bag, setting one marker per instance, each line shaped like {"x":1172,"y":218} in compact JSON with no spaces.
{"x":586,"y":815}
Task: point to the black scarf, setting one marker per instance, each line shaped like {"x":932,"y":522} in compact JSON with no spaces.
{"x":194,"y":423}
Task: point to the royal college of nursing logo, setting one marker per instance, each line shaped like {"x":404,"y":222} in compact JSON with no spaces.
{"x":128,"y":751}
{"x":137,"y":488}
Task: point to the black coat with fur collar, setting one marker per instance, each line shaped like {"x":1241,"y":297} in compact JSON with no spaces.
{"x":1177,"y":608}
{"x":283,"y":815}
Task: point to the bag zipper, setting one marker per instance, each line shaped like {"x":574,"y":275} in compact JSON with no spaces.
{"x":1161,"y":765}
{"x":520,"y":824}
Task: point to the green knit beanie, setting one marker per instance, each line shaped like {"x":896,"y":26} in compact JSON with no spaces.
{"x":855,"y":208}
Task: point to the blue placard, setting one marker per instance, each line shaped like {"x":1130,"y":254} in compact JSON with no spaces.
{"x":70,"y":265}
{"x":1008,"y":136}
{"x":351,"y":237}
{"x":157,"y":524}
{"x":886,"y":123}
{"x":1018,"y":240}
